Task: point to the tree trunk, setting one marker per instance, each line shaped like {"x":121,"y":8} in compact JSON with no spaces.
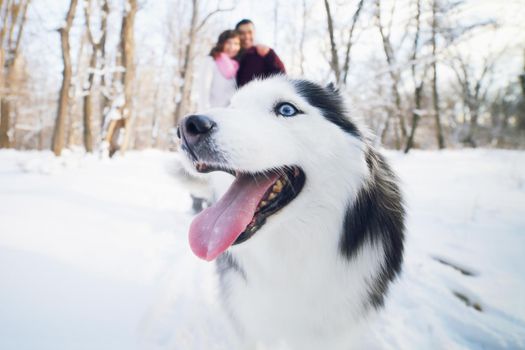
{"x":5,"y":122}
{"x":302,"y":39}
{"x":4,"y":110}
{"x":473,"y":106}
{"x":128,"y":61}
{"x":96,"y":47}
{"x":104,"y":88}
{"x":346,"y":66}
{"x":415,"y":117}
{"x":418,"y":87}
{"x":522,"y":78}
{"x":8,"y":59}
{"x":88,"y":105}
{"x":157,"y":114}
{"x":127,"y":47}
{"x":334,"y":62}
{"x":73,"y":122}
{"x":394,"y":75}
{"x":386,"y":126}
{"x":276,"y":24}
{"x":397,"y":139}
{"x":435,"y":95}
{"x":187,"y":68}
{"x":57,"y":143}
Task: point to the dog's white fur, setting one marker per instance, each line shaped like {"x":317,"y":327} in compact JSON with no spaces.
{"x":296,"y":291}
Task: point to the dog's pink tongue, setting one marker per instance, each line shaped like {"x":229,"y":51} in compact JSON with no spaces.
{"x":216,"y":228}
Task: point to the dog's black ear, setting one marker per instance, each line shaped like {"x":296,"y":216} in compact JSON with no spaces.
{"x":332,"y":88}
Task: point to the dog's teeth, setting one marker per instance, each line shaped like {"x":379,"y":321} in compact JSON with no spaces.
{"x":262,"y":204}
{"x":272,"y":196}
{"x":278,"y":186}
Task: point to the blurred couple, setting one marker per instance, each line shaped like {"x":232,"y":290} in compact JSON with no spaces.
{"x":234,"y":61}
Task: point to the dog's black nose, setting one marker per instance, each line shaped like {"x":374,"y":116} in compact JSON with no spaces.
{"x":195,"y":125}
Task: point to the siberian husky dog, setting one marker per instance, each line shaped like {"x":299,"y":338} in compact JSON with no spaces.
{"x":309,"y":235}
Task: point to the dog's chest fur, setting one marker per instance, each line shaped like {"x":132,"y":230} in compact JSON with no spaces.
{"x":280,"y":293}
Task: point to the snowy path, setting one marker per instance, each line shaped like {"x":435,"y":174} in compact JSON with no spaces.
{"x":93,"y":255}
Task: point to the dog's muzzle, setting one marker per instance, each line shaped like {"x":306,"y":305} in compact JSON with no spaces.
{"x":194,"y":132}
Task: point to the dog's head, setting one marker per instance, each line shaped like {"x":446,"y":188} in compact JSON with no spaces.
{"x":280,"y":138}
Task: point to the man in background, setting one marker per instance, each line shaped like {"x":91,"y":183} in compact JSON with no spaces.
{"x":255,"y":61}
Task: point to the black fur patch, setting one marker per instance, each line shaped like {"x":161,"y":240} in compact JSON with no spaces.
{"x":329,"y":102}
{"x":377,"y":216}
{"x":227,"y":263}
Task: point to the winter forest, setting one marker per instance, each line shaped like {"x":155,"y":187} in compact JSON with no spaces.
{"x":98,"y":205}
{"x":108,"y":75}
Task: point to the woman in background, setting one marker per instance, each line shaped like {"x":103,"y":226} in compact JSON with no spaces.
{"x":218,"y":71}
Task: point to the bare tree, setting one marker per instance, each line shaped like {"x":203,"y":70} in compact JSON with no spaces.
{"x":156,"y":120}
{"x":63,"y":102}
{"x":435,"y":94}
{"x":350,"y":42}
{"x":276,"y":26}
{"x":521,"y":103}
{"x":73,"y":124}
{"x":334,"y":61}
{"x":406,"y":71}
{"x":13,"y":17}
{"x":341,"y":72}
{"x":451,"y":31}
{"x":186,"y":72}
{"x":187,"y":67}
{"x":127,"y":52}
{"x":304,"y":19}
{"x":104,"y":84}
{"x":394,"y":77}
{"x":522,"y":77}
{"x":418,"y":85}
{"x":96,"y":51}
{"x":474,"y":89}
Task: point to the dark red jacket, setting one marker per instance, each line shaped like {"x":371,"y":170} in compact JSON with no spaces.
{"x":252,"y":65}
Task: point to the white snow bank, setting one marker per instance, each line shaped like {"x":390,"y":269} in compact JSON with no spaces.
{"x":94,"y":255}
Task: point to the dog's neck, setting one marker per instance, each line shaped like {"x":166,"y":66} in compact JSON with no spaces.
{"x":294,"y":263}
{"x":312,"y":223}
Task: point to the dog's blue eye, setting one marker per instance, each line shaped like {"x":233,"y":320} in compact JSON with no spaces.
{"x":286,"y":110}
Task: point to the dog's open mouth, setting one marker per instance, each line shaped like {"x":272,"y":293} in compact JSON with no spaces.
{"x":244,"y":208}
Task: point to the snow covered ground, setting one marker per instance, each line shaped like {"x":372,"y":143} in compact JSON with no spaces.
{"x":94,"y":255}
